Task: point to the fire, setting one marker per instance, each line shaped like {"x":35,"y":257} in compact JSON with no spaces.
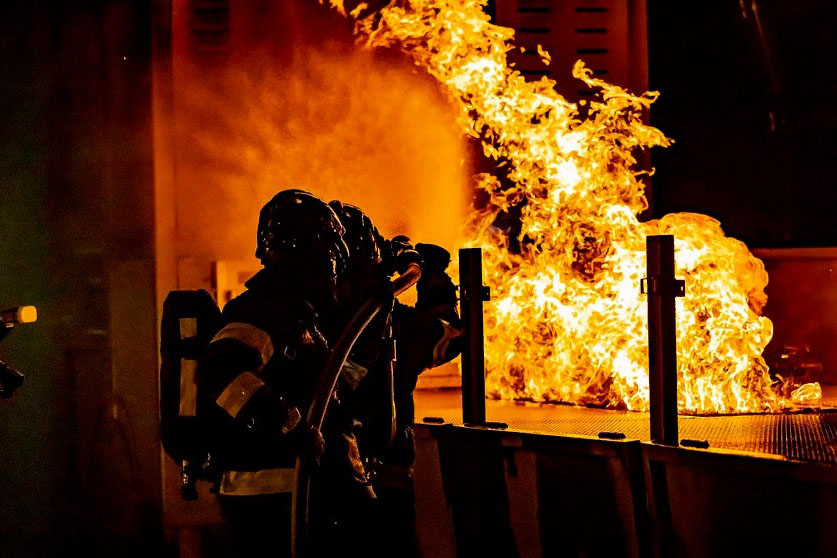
{"x":568,"y":322}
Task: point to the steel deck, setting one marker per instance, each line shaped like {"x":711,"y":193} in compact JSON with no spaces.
{"x":810,"y":436}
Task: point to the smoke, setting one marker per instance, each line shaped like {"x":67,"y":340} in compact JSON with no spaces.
{"x":342,"y":123}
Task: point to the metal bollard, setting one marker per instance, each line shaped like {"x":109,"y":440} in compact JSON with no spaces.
{"x":472,"y":294}
{"x":662,"y":288}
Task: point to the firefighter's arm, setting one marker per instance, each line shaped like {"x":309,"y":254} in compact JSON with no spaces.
{"x":437,"y":301}
{"x":427,"y":338}
{"x":228,"y":373}
{"x":435,"y":288}
{"x":430,"y":334}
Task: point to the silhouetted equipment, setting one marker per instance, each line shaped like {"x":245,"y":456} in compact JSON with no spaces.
{"x":20,"y":315}
{"x":190,"y":320}
{"x":323,"y":396}
{"x":662,"y":288}
{"x":473,"y":293}
{"x":11,"y":379}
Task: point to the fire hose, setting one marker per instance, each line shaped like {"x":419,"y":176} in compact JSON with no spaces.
{"x":322,"y":396}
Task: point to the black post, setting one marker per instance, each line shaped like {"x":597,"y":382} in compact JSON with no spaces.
{"x":662,"y":288}
{"x":473,"y":293}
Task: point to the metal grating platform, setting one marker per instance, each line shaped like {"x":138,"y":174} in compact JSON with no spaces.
{"x":802,"y":436}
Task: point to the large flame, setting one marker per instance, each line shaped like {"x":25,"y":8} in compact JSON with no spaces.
{"x":568,"y":322}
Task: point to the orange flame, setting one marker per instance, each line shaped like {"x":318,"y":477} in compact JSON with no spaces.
{"x":568,"y":322}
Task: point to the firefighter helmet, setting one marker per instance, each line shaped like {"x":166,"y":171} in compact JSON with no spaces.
{"x":298,"y":228}
{"x":362,"y":237}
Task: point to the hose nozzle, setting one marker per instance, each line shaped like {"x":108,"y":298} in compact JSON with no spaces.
{"x":19,"y":315}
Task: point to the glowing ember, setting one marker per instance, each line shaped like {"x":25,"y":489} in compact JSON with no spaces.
{"x":568,"y":322}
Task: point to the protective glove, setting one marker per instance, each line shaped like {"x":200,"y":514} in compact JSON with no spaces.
{"x":400,"y":254}
{"x":435,"y":288}
{"x":435,"y":257}
{"x":307,"y":442}
{"x":403,"y":450}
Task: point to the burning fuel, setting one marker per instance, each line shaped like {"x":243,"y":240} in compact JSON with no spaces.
{"x":568,"y":322}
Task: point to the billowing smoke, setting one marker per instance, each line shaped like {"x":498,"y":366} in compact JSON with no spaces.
{"x":334,"y":120}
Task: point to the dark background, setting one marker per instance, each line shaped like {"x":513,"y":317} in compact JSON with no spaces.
{"x":77,"y":476}
{"x":754,"y":122}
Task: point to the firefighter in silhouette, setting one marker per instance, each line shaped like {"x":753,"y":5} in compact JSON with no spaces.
{"x":257,"y":376}
{"x":385,"y":363}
